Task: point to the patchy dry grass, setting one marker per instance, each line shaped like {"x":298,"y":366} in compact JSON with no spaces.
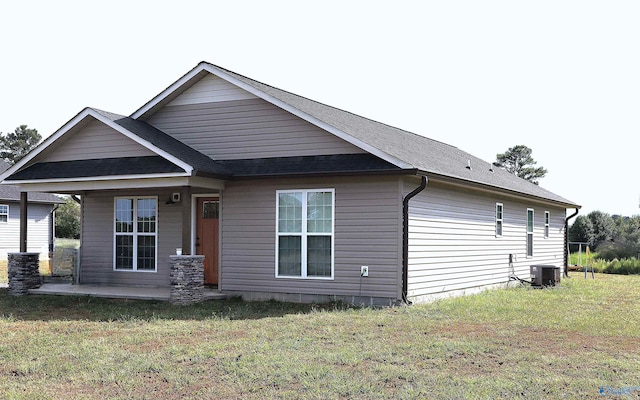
{"x":551,"y":343}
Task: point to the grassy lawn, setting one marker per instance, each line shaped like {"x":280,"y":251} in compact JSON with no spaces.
{"x":552,"y":343}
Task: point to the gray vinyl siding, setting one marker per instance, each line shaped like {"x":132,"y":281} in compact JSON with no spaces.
{"x":96,"y":140}
{"x":98,"y":238}
{"x":367,"y":232}
{"x":38,"y":225}
{"x":248,"y":128}
{"x":211,"y":89}
{"x":453,"y":245}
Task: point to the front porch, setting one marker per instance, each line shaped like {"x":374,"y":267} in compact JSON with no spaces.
{"x":117,"y":292}
{"x":186,"y":278}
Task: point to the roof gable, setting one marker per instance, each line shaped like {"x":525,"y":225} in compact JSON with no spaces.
{"x":144,"y":141}
{"x":211,"y":89}
{"x":94,"y":139}
{"x":401,"y":148}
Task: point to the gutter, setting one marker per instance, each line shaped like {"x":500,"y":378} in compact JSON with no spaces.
{"x":405,"y":238}
{"x":566,"y":242}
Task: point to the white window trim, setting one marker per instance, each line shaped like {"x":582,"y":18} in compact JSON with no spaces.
{"x":547,"y":220}
{"x":303,"y":234}
{"x":135,"y":234}
{"x":500,"y":220}
{"x":530,"y":233}
{"x":7,"y":214}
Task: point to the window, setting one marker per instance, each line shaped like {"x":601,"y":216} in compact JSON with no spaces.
{"x":4,"y":213}
{"x":498,"y":219}
{"x":304,"y":233}
{"x":546,"y":224}
{"x":529,"y":232}
{"x":135,"y":233}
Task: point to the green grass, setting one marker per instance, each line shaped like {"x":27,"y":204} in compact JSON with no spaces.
{"x":69,"y":243}
{"x":538,"y":343}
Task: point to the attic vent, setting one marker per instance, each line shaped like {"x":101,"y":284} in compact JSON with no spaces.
{"x":468,"y":164}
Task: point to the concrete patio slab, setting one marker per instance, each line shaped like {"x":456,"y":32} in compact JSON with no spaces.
{"x":115,"y":292}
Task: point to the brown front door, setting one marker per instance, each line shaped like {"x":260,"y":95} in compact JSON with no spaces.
{"x":207,"y":237}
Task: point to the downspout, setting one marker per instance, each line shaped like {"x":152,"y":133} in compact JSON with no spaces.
{"x":405,"y":238}
{"x":566,"y":242}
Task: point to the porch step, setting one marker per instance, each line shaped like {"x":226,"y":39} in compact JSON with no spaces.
{"x":115,"y":292}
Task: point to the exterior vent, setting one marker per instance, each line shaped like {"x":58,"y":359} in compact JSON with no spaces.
{"x":545,"y":275}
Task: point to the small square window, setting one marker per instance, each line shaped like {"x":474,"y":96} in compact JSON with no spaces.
{"x":4,"y":213}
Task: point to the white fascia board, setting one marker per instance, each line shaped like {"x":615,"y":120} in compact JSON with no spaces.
{"x":188,"y":168}
{"x":116,"y":184}
{"x":46,"y":143}
{"x":168,"y":91}
{"x":223,"y":75}
{"x":75,"y":121}
{"x":99,"y":178}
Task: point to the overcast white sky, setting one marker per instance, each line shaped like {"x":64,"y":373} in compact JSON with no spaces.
{"x":562,"y":77}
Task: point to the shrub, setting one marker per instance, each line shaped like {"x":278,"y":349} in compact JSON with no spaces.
{"x":626,"y":266}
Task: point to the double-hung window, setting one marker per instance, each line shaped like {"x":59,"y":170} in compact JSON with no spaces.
{"x":136,"y":230}
{"x":529,"y":232}
{"x":304,"y":233}
{"x":499,"y":220}
{"x":547,"y":217}
{"x":4,"y":213}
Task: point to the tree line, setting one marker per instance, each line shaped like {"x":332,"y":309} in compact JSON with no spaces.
{"x":612,"y":236}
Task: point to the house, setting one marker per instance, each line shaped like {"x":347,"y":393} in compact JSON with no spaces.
{"x":289,"y":198}
{"x":40,"y":223}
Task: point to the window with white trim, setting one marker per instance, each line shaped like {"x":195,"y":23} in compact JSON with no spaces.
{"x":4,"y":213}
{"x":135,"y":231}
{"x":499,"y":216}
{"x":529,"y":232}
{"x":547,"y":217}
{"x":304,"y":233}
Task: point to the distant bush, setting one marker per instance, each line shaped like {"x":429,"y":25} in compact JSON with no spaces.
{"x":625,"y":266}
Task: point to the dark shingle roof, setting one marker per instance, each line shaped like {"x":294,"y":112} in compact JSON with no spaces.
{"x":424,"y":154}
{"x":202,"y":164}
{"x":12,"y":193}
{"x":96,"y":167}
{"x":310,"y":165}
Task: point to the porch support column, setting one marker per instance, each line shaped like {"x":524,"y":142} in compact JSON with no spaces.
{"x":187,"y":279}
{"x":23,"y":222}
{"x":186,"y":221}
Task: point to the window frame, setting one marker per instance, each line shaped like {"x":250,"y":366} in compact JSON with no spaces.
{"x":547,"y":219}
{"x":4,"y":214}
{"x":135,"y":234}
{"x":530,"y":229}
{"x":500,"y":220}
{"x":304,"y":234}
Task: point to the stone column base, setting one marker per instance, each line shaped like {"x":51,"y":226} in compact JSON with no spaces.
{"x":187,"y":279}
{"x":23,"y":272}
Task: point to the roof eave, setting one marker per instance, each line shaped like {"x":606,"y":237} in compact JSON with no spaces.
{"x":490,"y":188}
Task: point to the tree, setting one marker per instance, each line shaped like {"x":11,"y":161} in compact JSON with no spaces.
{"x":518,"y":161}
{"x":68,"y":220}
{"x":582,"y":231}
{"x":603,"y":227}
{"x":15,"y":145}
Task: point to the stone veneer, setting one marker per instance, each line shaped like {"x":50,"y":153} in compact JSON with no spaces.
{"x":187,"y":279}
{"x":23,"y":272}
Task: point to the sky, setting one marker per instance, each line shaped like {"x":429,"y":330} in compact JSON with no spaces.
{"x":561,"y":77}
